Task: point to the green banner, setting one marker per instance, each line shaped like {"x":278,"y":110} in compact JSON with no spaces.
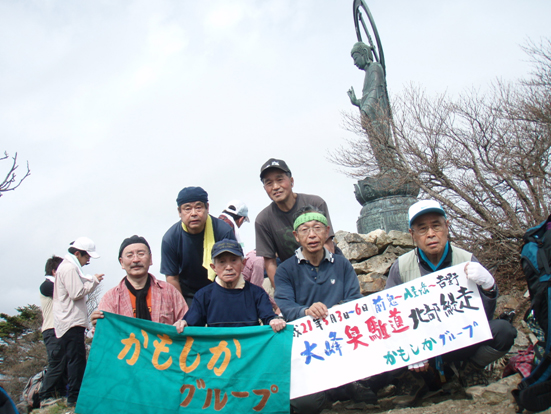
{"x":144,"y":367}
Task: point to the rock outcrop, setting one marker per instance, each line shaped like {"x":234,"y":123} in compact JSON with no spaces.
{"x":372,"y":255}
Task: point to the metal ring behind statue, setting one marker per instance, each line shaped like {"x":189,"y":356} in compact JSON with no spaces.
{"x":360,"y":23}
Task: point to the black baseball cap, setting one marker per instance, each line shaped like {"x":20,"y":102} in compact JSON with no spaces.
{"x":274,"y":163}
{"x":226,"y":245}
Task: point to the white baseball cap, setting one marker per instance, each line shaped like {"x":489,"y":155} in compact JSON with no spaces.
{"x":424,"y":207}
{"x":86,"y":244}
{"x":239,"y":208}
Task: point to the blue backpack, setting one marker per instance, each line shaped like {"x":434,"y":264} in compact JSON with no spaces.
{"x":534,"y":391}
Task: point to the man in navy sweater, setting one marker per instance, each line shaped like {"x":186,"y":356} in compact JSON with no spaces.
{"x":308,"y":284}
{"x":230,"y":301}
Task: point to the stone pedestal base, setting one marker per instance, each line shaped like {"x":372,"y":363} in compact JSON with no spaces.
{"x":386,"y":213}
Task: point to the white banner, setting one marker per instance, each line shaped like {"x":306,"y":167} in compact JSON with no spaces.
{"x":409,"y":323}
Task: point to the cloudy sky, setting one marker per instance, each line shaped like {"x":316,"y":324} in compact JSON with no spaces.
{"x":118,"y":105}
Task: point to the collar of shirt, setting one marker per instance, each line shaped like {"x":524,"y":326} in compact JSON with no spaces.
{"x":300,"y":257}
{"x":240,"y":282}
{"x":445,"y":261}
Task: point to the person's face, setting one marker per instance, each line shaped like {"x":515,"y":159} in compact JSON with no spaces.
{"x":83,"y":258}
{"x":240,"y":221}
{"x":194,"y":215}
{"x":136,"y":259}
{"x":278,"y":185}
{"x":227,"y":267}
{"x":430,"y":233}
{"x":312,"y":236}
{"x":359,"y":60}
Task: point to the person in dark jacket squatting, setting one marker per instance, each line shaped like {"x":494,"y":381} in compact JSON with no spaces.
{"x":230,"y":301}
{"x":429,"y":229}
{"x":308,"y":284}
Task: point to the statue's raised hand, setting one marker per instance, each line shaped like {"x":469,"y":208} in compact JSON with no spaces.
{"x":352,"y":95}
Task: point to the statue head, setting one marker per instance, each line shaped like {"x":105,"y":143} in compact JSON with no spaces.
{"x":364,"y":50}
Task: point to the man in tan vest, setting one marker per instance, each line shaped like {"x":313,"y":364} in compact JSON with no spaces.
{"x":430,"y":228}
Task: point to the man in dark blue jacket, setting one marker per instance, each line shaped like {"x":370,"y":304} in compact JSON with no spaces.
{"x":308,"y":284}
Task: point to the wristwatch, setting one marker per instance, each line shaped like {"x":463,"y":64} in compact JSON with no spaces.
{"x":490,"y":292}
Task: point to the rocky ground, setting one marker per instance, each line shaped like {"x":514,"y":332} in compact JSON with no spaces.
{"x":495,"y":398}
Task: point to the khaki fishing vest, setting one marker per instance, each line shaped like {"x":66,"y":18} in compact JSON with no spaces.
{"x":409,"y":263}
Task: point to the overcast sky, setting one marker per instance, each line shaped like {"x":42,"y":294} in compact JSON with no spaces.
{"x":119,"y":105}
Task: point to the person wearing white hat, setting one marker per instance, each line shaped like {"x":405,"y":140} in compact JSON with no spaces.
{"x":235,"y":214}
{"x":429,"y":227}
{"x":71,"y":288}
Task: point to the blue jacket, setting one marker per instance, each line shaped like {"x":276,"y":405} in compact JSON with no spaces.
{"x":299,"y":284}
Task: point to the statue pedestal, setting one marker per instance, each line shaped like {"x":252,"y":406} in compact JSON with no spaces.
{"x":385,"y":203}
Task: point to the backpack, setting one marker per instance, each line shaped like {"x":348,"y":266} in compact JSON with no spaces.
{"x":534,"y":391}
{"x":7,"y":405}
{"x":31,"y":392}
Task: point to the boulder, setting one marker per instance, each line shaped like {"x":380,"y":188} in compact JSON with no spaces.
{"x":507,"y":302}
{"x":496,"y":392}
{"x":367,"y":278}
{"x":379,"y":264}
{"x":359,"y":268}
{"x":379,"y":238}
{"x":339,"y":237}
{"x":372,"y":236}
{"x":398,"y":238}
{"x":356,"y":252}
{"x":353,"y":238}
{"x":371,"y":283}
{"x":396,"y":250}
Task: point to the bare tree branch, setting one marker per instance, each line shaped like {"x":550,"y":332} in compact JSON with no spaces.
{"x":484,"y":157}
{"x":10,"y":182}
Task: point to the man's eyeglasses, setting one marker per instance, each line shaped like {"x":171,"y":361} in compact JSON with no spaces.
{"x":436,"y":227}
{"x":304,"y":231}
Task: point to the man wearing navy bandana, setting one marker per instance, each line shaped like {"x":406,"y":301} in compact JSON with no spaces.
{"x":186,"y":247}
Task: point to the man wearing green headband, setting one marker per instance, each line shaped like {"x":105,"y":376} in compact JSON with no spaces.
{"x":311,"y":282}
{"x":314,"y":279}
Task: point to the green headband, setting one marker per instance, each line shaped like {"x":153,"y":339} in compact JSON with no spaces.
{"x":309,"y":217}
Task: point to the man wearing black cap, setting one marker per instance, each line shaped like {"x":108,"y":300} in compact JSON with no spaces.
{"x":140,"y":294}
{"x":274,"y":224}
{"x":230,"y":301}
{"x":186,"y":247}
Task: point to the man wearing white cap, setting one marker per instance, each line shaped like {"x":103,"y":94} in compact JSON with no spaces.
{"x":71,"y":288}
{"x":429,"y":229}
{"x":235,"y":214}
